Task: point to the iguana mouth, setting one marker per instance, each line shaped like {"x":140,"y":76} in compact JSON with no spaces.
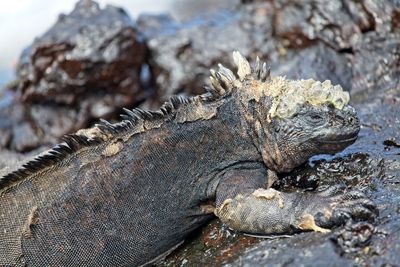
{"x":333,"y":146}
{"x":340,"y":141}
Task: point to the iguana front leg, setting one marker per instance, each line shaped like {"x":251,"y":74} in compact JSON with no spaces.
{"x":244,"y":206}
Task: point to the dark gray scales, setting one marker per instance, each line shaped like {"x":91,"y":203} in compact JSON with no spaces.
{"x":123,"y":194}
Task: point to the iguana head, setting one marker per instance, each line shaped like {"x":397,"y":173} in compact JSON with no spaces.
{"x":311,"y":130}
{"x":290,"y":120}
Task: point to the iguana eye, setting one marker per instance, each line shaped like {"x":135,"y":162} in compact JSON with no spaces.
{"x":315,"y":118}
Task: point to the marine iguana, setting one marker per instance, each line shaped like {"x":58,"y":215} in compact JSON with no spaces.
{"x":126,"y":194}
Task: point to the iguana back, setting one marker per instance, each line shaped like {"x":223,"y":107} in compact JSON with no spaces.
{"x":118,"y":202}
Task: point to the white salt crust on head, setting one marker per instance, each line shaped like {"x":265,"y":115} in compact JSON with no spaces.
{"x":287,"y":95}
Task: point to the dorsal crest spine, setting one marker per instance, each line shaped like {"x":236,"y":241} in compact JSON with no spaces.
{"x":105,"y":130}
{"x":224,"y":80}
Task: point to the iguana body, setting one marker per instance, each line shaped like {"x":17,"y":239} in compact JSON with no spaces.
{"x":127,"y":193}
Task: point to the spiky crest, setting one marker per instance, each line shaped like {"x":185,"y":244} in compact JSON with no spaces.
{"x":71,"y":143}
{"x":101,"y":132}
{"x":224,"y":81}
{"x":287,"y":95}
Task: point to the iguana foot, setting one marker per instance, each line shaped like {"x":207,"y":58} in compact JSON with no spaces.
{"x":267,"y":211}
{"x":341,"y":206}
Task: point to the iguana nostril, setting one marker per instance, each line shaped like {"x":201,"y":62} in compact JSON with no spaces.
{"x":351,"y":120}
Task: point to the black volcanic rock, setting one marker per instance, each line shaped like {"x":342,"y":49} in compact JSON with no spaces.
{"x":87,"y":53}
{"x":312,"y":39}
{"x":87,"y":66}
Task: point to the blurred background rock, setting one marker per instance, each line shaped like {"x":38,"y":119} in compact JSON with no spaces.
{"x":92,"y":62}
{"x":22,"y":21}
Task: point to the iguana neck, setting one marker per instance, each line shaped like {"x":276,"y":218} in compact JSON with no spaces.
{"x":256,"y":119}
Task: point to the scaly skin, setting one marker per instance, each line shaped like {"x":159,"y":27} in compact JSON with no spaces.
{"x":128,"y":193}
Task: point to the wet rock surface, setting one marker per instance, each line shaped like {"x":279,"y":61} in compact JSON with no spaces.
{"x":87,"y":66}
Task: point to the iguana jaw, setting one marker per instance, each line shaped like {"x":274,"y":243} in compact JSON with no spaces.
{"x":338,"y":143}
{"x":344,"y":139}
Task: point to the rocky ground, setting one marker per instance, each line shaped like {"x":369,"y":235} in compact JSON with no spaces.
{"x":95,"y":61}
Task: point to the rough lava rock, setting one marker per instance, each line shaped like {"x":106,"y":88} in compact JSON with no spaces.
{"x":376,"y":64}
{"x":87,"y":66}
{"x":183,"y":53}
{"x":93,"y":54}
{"x":315,"y":38}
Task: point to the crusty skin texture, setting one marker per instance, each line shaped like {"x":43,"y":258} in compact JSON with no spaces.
{"x":132,"y":196}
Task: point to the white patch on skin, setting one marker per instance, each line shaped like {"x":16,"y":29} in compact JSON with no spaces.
{"x":269,"y":194}
{"x":207,"y":209}
{"x":32,"y":220}
{"x":327,"y":214}
{"x":196,"y":111}
{"x":112,"y":149}
{"x":307,"y":222}
{"x":94,"y":132}
{"x":225,"y":203}
{"x":295,"y":93}
{"x":224,"y":211}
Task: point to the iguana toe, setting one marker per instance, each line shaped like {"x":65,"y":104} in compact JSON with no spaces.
{"x":352,"y":205}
